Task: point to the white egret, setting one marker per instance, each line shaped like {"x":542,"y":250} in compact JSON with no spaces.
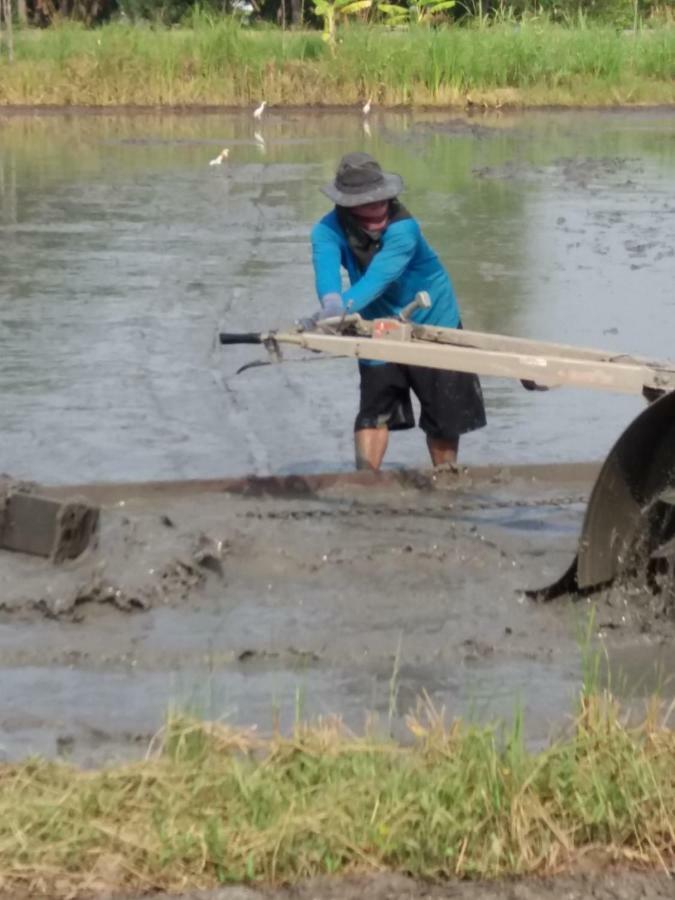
{"x":224,"y":153}
{"x":367,"y":105}
{"x":257,"y":113}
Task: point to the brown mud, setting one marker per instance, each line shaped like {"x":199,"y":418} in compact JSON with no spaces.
{"x":588,"y":886}
{"x":265,"y":599}
{"x":588,"y":883}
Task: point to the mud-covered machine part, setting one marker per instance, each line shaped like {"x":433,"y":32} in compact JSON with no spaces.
{"x":629,"y":525}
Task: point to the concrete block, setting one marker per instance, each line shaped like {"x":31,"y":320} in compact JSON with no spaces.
{"x":33,"y":524}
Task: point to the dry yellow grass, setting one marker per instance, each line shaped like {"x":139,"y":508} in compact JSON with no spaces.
{"x":212,"y":805}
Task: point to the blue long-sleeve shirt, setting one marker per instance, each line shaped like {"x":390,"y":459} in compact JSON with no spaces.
{"x":404,"y":265}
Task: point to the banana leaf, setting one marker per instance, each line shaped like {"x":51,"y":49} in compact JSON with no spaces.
{"x":346,"y":7}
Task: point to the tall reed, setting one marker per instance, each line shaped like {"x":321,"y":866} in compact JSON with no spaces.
{"x":216,"y":62}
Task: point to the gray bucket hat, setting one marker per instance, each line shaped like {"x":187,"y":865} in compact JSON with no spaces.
{"x":360,"y":179}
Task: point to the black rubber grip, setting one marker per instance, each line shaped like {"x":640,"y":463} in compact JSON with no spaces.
{"x":240,"y":337}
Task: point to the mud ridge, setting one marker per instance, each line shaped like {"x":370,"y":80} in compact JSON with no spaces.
{"x":586,"y":886}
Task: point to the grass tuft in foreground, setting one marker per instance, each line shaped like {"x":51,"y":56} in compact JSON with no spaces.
{"x":214,"y":805}
{"x":217,"y":62}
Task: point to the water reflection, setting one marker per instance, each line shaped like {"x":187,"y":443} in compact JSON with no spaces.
{"x":121,"y":250}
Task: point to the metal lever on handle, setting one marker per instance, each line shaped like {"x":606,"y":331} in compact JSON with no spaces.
{"x":422,"y":301}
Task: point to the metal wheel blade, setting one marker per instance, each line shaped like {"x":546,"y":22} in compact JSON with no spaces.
{"x":621,"y":510}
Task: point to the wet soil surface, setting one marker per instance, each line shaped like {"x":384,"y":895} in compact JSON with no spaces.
{"x":346,"y":598}
{"x":596,"y":886}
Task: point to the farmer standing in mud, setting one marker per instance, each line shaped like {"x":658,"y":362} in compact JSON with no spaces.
{"x":373,"y":236}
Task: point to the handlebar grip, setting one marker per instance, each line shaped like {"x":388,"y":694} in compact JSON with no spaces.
{"x":240,"y":337}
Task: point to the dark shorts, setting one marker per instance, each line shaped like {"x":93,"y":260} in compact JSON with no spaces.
{"x":452,"y":402}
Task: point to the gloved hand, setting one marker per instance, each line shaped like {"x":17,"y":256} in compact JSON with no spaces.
{"x":308,"y":323}
{"x":331,"y":306}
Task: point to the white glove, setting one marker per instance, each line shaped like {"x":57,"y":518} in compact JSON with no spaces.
{"x":331,"y":306}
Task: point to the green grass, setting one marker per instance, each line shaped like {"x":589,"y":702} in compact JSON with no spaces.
{"x":212,"y":805}
{"x":217,"y":62}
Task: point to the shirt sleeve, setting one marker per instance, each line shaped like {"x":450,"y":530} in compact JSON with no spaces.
{"x":326,"y":259}
{"x":388,"y":264}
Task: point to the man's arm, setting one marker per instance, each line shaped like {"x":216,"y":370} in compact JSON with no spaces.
{"x":326,"y":259}
{"x":388,"y":264}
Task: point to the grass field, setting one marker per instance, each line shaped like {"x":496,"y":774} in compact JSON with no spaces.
{"x":211,"y":805}
{"x":218,"y":62}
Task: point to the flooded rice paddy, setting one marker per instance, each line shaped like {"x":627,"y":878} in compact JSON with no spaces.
{"x":121,"y":253}
{"x":121,"y":250}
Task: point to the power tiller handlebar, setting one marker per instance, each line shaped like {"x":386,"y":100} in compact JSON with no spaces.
{"x":538,"y":364}
{"x":421,"y":301}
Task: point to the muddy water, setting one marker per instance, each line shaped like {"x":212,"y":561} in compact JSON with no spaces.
{"x":349,"y":601}
{"x":121,"y":250}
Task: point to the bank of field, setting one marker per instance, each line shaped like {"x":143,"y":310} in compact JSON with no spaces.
{"x":215,"y":806}
{"x":218,"y":62}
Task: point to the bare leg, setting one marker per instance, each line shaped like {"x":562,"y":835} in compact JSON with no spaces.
{"x":443,"y":452}
{"x":370,"y":445}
